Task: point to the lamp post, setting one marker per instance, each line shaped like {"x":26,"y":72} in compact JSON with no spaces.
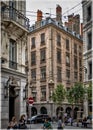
{"x":51,"y":86}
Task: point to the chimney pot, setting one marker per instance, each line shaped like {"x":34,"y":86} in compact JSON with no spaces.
{"x":39,"y":15}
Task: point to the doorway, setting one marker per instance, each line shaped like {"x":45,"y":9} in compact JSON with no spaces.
{"x":11,"y":103}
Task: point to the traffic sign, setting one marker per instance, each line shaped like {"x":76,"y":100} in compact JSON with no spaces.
{"x":30,"y":100}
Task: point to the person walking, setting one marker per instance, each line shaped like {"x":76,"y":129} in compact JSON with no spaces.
{"x":60,"y":123}
{"x":47,"y":124}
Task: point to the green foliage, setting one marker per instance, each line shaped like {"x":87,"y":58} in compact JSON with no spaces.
{"x":76,"y":93}
{"x":58,"y":95}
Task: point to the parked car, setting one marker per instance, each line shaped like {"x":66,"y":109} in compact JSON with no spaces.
{"x":38,"y":118}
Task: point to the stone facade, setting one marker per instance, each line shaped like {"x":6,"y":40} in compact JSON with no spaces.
{"x":87,"y":7}
{"x":14,"y":29}
{"x":54,"y":57}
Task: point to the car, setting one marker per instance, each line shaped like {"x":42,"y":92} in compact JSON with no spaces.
{"x":40,"y":118}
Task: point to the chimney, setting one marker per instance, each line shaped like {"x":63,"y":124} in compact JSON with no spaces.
{"x":39,"y":15}
{"x":59,"y":14}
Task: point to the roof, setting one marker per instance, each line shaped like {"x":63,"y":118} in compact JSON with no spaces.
{"x":52,"y":21}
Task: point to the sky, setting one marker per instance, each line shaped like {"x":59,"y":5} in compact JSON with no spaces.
{"x":49,"y":6}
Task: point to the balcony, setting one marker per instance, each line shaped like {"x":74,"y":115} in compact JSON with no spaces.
{"x":9,"y":13}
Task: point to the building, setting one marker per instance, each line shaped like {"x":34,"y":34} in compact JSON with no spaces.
{"x":14,"y":30}
{"x":54,"y":57}
{"x":73,"y":23}
{"x":87,"y":6}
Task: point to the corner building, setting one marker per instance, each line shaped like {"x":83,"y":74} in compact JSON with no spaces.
{"x":14,"y":30}
{"x":54,"y":57}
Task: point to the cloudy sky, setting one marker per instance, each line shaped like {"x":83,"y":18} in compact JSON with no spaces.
{"x":49,"y":6}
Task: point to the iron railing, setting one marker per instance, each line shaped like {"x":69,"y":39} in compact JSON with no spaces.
{"x":9,"y":13}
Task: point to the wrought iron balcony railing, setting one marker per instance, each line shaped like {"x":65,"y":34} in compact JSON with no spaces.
{"x":9,"y":13}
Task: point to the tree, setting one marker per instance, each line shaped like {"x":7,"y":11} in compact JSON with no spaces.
{"x":76,"y":94}
{"x":59,"y":95}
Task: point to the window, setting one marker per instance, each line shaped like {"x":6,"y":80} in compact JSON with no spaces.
{"x":33,"y":58}
{"x":59,"y":78}
{"x":12,"y":5}
{"x":33,"y":42}
{"x":43,"y":73}
{"x":42,"y":55}
{"x":89,"y":38}
{"x":80,"y":77}
{"x":67,"y":44}
{"x":80,"y":51}
{"x":68,"y":74}
{"x":67,"y":59}
{"x":75,"y":62}
{"x":43,"y":93}
{"x":75,"y":76}
{"x":90,"y":70}
{"x":80,"y":62}
{"x":42,"y":38}
{"x":58,"y":56}
{"x":58,"y":40}
{"x":13,"y":54}
{"x":33,"y":74}
{"x":75,"y":48}
{"x":89,"y":13}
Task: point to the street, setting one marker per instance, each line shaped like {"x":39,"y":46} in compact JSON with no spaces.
{"x":54,"y":125}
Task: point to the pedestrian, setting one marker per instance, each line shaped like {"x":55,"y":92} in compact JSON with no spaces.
{"x":47,"y":124}
{"x":13,"y":123}
{"x":22,"y":122}
{"x":60,"y":123}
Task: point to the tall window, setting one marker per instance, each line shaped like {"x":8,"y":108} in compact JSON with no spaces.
{"x":43,"y":73}
{"x":42,"y":55}
{"x":33,"y":74}
{"x":67,"y":44}
{"x":75,"y":48}
{"x":59,"y":78}
{"x":68,"y":74}
{"x":33,"y":58}
{"x":80,"y":77}
{"x":80,"y":51}
{"x":58,"y":56}
{"x":42,"y":38}
{"x":67,"y":59}
{"x":89,"y":38}
{"x":12,"y":5}
{"x":90,"y":70}
{"x":75,"y":76}
{"x":75,"y":62}
{"x":43,"y":93}
{"x":58,"y":40}
{"x":13,"y":54}
{"x":89,"y":13}
{"x":33,"y":42}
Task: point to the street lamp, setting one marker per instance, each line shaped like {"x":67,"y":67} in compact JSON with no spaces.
{"x":51,"y":86}
{"x":25,"y":92}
